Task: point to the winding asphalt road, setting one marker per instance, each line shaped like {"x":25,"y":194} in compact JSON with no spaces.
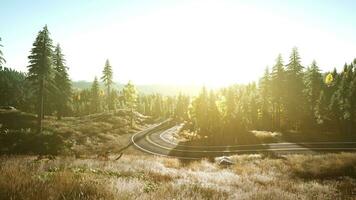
{"x":156,"y":141}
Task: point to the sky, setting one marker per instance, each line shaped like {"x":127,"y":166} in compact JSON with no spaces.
{"x":213,"y":43}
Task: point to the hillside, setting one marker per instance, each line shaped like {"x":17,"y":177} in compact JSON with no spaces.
{"x":87,"y":136}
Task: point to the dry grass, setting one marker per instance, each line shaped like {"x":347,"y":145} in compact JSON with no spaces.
{"x":267,"y":136}
{"x":257,"y":176}
{"x":95,"y":134}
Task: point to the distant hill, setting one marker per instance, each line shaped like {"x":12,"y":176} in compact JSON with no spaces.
{"x":170,"y":90}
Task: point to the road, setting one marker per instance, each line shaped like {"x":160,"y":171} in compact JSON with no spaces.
{"x":156,"y":141}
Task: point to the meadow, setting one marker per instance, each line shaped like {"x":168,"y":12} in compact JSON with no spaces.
{"x":255,"y":176}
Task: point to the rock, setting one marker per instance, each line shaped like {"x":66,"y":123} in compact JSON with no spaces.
{"x":224,"y":160}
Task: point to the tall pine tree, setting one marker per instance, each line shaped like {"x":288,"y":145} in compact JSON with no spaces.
{"x":40,"y":69}
{"x":265,"y":100}
{"x":313,"y":83}
{"x":295,"y":101}
{"x":278,"y":92}
{"x":107,"y":79}
{"x":95,"y":96}
{"x":63,"y":92}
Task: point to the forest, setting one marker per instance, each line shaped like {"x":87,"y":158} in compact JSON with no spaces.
{"x":287,"y":97}
{"x":58,"y":141}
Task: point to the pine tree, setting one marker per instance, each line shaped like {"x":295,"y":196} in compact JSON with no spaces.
{"x":199,"y":112}
{"x":14,"y":89}
{"x":313,"y":83}
{"x":295,"y":101}
{"x":352,"y":97}
{"x":329,"y":111}
{"x":278,"y":92}
{"x":265,"y":100}
{"x":214,"y":117}
{"x":107,"y":78}
{"x":2,"y":59}
{"x":130,"y":98}
{"x":181,"y":108}
{"x":344,"y":96}
{"x":95,"y":96}
{"x":63,"y":90}
{"x":40,"y":69}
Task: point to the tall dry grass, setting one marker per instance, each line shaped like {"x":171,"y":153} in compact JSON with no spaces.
{"x":329,"y":176}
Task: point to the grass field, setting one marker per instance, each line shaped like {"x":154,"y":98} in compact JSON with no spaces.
{"x":79,"y":172}
{"x":85,"y":136}
{"x":328,"y":176}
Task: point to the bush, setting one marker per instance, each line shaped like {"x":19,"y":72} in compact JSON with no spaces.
{"x":26,"y":142}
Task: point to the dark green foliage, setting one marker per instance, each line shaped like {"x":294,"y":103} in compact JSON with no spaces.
{"x":15,"y":90}
{"x":24,"y":142}
{"x":16,"y":120}
{"x":61,"y":95}
{"x":40,"y":69}
{"x":314,"y":84}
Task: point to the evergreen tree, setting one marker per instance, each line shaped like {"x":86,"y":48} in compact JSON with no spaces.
{"x":114,"y":98}
{"x":157,"y":106}
{"x":40,"y":69}
{"x":63,"y":90}
{"x":107,"y":78}
{"x":199,"y":112}
{"x":95,"y":96}
{"x":265,"y":100}
{"x":295,"y":101}
{"x":278,"y":92}
{"x":2,"y":59}
{"x":251,"y":107}
{"x":181,"y":108}
{"x":14,"y":90}
{"x":130,"y":98}
{"x":214,"y":117}
{"x":329,"y":106}
{"x":344,"y":98}
{"x":313,"y":83}
{"x":352,"y":97}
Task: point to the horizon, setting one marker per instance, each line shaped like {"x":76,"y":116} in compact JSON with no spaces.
{"x":154,"y":43}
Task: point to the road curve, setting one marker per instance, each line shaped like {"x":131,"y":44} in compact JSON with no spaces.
{"x":154,"y":141}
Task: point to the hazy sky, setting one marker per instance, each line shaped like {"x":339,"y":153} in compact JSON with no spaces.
{"x":181,"y":42}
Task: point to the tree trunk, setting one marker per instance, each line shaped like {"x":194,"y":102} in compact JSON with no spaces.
{"x":40,"y":109}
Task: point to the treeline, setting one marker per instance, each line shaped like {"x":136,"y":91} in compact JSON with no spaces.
{"x":287,"y":97}
{"x":46,"y":89}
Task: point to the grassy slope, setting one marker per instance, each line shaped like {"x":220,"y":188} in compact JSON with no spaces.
{"x":96,"y":134}
{"x":146,"y":177}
